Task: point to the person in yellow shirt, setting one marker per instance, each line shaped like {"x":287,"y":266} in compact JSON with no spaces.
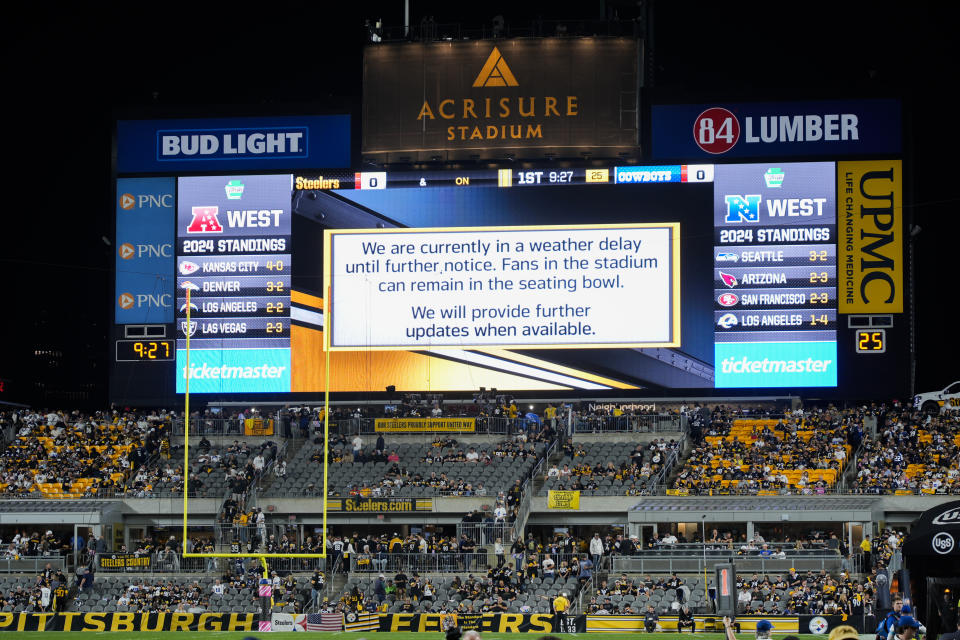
{"x":560,"y":606}
{"x":865,"y":548}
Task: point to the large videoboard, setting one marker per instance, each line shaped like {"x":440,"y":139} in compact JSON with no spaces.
{"x":643,"y":280}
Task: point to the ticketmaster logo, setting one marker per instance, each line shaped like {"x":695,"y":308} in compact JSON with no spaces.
{"x":227,"y":372}
{"x":745,"y":365}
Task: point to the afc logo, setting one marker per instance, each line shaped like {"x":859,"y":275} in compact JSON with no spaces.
{"x":742,"y":208}
{"x":205,"y":220}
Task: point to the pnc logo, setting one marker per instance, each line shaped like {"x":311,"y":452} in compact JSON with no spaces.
{"x":125,"y":301}
{"x":127,"y":251}
{"x":127,"y":201}
{"x":495,"y":72}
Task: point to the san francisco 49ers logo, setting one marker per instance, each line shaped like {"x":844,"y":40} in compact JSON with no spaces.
{"x":205,"y":220}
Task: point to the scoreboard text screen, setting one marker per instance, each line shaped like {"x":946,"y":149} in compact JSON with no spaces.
{"x":625,"y":278}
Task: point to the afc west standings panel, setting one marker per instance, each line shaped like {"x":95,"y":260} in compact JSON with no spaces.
{"x":233,"y":237}
{"x":775,"y":275}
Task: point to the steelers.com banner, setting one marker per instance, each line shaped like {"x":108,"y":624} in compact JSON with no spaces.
{"x":563,"y":500}
{"x":424,"y":425}
{"x":100,"y":622}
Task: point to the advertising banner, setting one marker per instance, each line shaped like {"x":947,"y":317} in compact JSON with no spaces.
{"x":748,"y":624}
{"x":775,"y":129}
{"x":485,"y":622}
{"x":563,"y":500}
{"x":423,"y":425}
{"x":379,"y":505}
{"x":524,"y":97}
{"x":123,"y":561}
{"x":257,"y":427}
{"x":871,"y":236}
{"x":233,"y":144}
{"x":129,"y":622}
{"x":144,"y":257}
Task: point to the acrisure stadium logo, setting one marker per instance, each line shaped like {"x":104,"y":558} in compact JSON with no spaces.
{"x":495,"y":72}
{"x":943,"y":543}
{"x":501,"y":115}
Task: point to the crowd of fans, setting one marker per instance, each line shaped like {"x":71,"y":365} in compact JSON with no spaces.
{"x":912,"y":453}
{"x":69,"y":455}
{"x":803,"y":453}
{"x":813,"y":593}
{"x":447,"y":466}
{"x":582,"y":467}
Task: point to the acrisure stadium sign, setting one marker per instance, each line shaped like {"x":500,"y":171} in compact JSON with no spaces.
{"x":524,"y":97}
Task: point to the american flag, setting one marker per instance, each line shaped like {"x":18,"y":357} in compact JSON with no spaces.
{"x":323,"y":622}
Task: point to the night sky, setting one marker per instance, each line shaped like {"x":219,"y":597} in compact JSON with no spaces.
{"x":69,"y":72}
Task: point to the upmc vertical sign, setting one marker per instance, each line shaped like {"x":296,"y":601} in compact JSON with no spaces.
{"x":144,"y":251}
{"x":871,"y":236}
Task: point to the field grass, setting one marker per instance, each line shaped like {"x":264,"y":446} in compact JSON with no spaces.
{"x":322,"y":635}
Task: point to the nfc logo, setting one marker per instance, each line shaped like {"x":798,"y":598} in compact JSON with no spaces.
{"x":742,"y":208}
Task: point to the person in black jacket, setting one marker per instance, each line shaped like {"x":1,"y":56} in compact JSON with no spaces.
{"x":685,"y":620}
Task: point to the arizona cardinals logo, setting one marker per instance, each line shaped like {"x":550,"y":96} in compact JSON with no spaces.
{"x":728,"y":279}
{"x":205,"y":220}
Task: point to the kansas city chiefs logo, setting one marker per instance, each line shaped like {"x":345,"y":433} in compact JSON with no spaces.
{"x":205,"y":220}
{"x":728,"y":279}
{"x":188,"y":268}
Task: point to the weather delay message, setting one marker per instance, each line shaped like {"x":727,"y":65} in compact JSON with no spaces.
{"x":604,"y":285}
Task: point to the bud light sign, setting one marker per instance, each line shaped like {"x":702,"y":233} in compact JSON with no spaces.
{"x":276,"y":142}
{"x":828,"y":127}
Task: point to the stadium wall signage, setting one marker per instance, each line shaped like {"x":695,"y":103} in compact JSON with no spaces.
{"x":232,"y":144}
{"x":124,"y":561}
{"x":489,"y":622}
{"x":775,"y":129}
{"x":100,"y":622}
{"x":520,"y":96}
{"x":610,"y":624}
{"x":563,"y":500}
{"x":379,"y":505}
{"x":870,"y":236}
{"x":424,"y":425}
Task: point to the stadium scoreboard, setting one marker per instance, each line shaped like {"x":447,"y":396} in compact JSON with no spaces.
{"x":740,"y":284}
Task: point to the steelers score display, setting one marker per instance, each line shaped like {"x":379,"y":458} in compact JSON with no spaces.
{"x":520,"y":287}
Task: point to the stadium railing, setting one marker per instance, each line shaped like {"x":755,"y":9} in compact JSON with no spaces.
{"x":34,"y":564}
{"x":645,"y":423}
{"x":689,"y":561}
{"x":422,"y":562}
